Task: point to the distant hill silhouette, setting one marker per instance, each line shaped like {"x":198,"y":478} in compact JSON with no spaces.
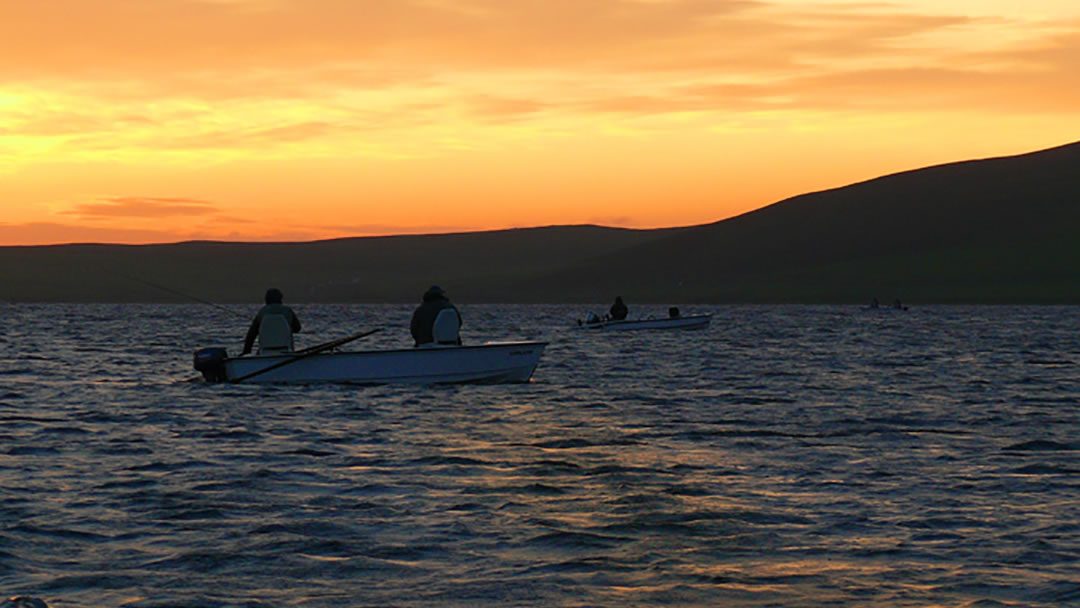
{"x":997,"y":230}
{"x":376,"y":269}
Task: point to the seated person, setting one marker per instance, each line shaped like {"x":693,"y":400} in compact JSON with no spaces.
{"x":423,"y":323}
{"x":673,"y":312}
{"x":274,"y":324}
{"x":618,"y":310}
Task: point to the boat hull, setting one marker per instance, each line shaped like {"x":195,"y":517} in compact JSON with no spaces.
{"x":687,"y":322}
{"x":491,"y":363}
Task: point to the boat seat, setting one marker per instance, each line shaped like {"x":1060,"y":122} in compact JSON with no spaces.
{"x":446,"y":327}
{"x":275,"y":335}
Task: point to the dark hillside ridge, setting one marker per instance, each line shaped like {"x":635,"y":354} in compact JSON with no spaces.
{"x":999,"y":230}
{"x":376,"y":269}
{"x":996,"y":230}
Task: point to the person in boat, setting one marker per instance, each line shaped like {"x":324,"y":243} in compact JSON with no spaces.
{"x":436,"y":320}
{"x":874,"y":303}
{"x":274,"y":325}
{"x":673,"y":312}
{"x":618,"y":310}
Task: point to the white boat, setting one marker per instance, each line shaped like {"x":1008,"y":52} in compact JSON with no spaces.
{"x":687,"y":322}
{"x":489,"y":363}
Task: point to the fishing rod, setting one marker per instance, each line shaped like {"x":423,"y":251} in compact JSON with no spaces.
{"x":182,"y":294}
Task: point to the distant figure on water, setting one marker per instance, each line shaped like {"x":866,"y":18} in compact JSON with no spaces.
{"x":897,"y":305}
{"x":618,"y":310}
{"x":274,"y":325}
{"x":436,"y":320}
{"x":874,"y":303}
{"x":673,"y":312}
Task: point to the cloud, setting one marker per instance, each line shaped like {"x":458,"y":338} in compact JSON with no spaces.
{"x":225,"y":73}
{"x":501,"y":109}
{"x":35,"y":233}
{"x":290,"y":45}
{"x":68,"y":36}
{"x":621,"y":221}
{"x":390,"y":97}
{"x":241,"y":137}
{"x":386,"y":229}
{"x":142,"y":207}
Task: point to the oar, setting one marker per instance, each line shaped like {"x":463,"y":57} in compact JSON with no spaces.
{"x":307,"y":352}
{"x":337,"y":342}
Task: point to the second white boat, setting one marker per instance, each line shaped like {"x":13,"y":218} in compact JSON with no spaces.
{"x":687,"y":322}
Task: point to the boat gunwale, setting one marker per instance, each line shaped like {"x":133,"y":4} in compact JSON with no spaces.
{"x":300,"y":354}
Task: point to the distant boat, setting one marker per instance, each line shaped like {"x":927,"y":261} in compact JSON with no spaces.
{"x":681,"y":322}
{"x":894,"y":306}
{"x":489,"y":363}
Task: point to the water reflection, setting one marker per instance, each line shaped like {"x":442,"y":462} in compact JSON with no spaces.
{"x":783,"y":456}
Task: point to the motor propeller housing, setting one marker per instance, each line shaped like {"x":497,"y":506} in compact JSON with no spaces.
{"x":211,"y":362}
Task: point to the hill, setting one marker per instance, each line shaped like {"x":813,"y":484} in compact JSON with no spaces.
{"x":378,"y":269}
{"x":994,"y":230}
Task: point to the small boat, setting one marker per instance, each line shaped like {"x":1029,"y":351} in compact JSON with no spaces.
{"x":896,"y":305}
{"x":489,"y":363}
{"x":687,"y":322}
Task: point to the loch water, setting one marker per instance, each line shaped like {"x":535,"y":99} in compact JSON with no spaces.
{"x":783,"y":456}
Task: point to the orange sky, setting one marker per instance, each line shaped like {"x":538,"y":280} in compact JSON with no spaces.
{"x":137,"y":121}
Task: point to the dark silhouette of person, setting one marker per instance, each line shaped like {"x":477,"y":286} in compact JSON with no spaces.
{"x":618,"y":310}
{"x":673,"y":312}
{"x":874,"y":303}
{"x":422,"y":325}
{"x":274,"y":325}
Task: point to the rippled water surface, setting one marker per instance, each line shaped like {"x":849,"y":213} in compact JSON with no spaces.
{"x":785,"y":456}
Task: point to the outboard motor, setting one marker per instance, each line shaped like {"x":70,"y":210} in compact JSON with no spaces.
{"x":211,"y":362}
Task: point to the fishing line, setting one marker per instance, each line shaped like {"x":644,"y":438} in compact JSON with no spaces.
{"x":182,"y":294}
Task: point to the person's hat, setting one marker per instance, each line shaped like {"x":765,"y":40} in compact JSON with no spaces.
{"x":434,"y":292}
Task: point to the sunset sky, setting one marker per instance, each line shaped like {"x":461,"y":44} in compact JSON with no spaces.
{"x":140,"y":121}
